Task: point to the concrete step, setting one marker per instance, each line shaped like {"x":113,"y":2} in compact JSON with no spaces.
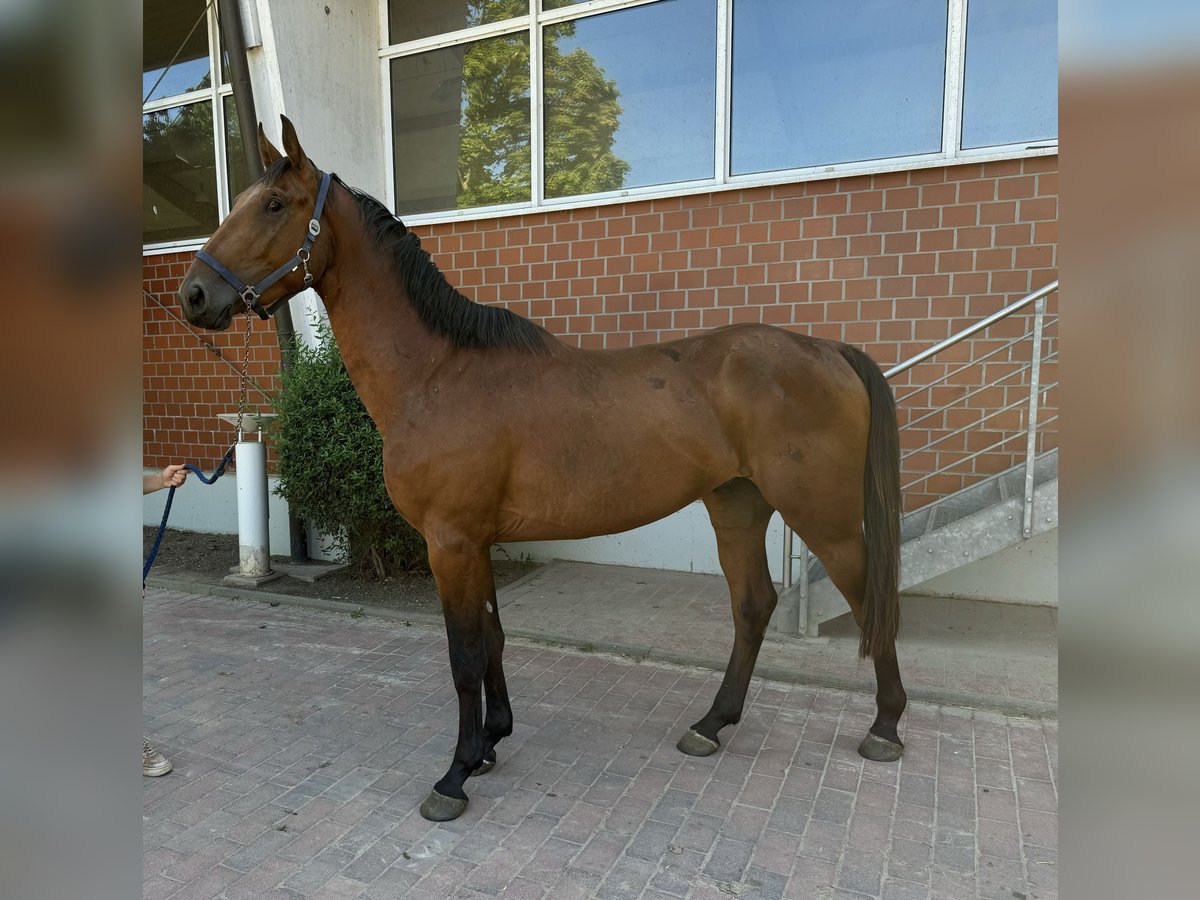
{"x":959,"y":529}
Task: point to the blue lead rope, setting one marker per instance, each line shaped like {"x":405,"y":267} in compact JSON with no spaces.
{"x":162,"y":527}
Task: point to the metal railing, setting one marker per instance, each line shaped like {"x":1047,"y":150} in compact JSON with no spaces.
{"x":1032,"y":399}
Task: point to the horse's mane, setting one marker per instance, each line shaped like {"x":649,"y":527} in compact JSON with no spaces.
{"x":441,"y":307}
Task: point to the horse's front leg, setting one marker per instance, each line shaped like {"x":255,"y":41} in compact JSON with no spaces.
{"x":467,"y":590}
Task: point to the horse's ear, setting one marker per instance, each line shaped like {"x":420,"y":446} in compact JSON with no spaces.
{"x":266,"y":149}
{"x":291,"y":143}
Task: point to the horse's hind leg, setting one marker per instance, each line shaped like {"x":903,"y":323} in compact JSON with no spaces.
{"x":846,"y":562}
{"x":739,"y":516}
{"x":498,"y":722}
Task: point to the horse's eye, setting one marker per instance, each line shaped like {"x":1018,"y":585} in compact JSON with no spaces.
{"x":274,"y":205}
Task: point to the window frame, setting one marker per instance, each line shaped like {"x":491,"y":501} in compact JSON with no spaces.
{"x":951,"y":152}
{"x":215,"y":95}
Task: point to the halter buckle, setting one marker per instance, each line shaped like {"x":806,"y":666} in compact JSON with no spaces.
{"x":250,"y":296}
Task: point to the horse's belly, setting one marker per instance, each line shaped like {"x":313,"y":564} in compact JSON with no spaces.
{"x":603,"y":500}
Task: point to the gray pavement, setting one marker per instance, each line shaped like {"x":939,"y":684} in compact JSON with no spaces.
{"x":303,"y":741}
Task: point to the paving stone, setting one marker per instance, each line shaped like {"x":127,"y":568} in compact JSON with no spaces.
{"x":591,"y":798}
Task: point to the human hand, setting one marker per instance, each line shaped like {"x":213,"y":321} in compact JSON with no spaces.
{"x":174,"y":476}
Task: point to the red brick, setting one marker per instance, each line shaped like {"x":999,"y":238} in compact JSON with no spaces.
{"x":1040,"y":164}
{"x":927,"y":176}
{"x":817,"y":227}
{"x":941,"y":239}
{"x":861,"y":288}
{"x":973,"y":238}
{"x":883,"y":265}
{"x":848,"y":268}
{"x":1045,"y":232}
{"x":966,"y":283}
{"x":831,"y":247}
{"x":826,"y":290}
{"x":887,"y":221}
{"x":903,"y":242}
{"x":918,"y":264}
{"x":994,"y":259}
{"x":1002,"y":213}
{"x":958,"y":216}
{"x":930,"y":217}
{"x":831,"y":204}
{"x":1034,"y":257}
{"x":1042,"y":208}
{"x":852,"y":224}
{"x":897,"y":288}
{"x":866,"y":201}
{"x":939,"y":194}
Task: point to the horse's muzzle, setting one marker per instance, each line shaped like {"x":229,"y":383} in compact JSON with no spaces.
{"x":203,"y":306}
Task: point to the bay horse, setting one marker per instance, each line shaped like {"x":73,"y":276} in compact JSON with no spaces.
{"x":494,"y":430}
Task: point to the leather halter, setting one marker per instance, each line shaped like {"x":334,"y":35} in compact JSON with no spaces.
{"x":252,"y":294}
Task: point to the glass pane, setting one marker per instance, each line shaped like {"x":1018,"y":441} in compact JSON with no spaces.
{"x":824,"y":81}
{"x":460,"y":125}
{"x":1010,"y":88}
{"x":409,"y":20}
{"x":235,"y":153}
{"x":165,"y":26}
{"x":179,"y":174}
{"x":630,"y":98}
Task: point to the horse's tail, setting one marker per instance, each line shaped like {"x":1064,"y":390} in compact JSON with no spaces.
{"x":881,"y":514}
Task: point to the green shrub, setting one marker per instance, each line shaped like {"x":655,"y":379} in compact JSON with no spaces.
{"x":331,"y":463}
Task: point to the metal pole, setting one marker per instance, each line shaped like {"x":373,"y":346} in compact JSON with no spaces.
{"x":230,"y":20}
{"x":254,"y":534}
{"x":1039,"y":316}
{"x":787,"y":558}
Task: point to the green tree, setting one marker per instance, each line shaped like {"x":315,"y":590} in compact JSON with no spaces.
{"x":582,"y":115}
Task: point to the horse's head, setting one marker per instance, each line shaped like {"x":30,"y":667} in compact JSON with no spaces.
{"x":267,"y":249}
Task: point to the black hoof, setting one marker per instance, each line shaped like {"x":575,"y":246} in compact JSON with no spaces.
{"x":486,"y":766}
{"x":880,"y":749}
{"x":695,"y":744}
{"x":437,"y":808}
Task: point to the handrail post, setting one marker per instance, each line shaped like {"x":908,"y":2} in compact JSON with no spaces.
{"x":804,"y":612}
{"x":787,"y":558}
{"x":1039,"y":316}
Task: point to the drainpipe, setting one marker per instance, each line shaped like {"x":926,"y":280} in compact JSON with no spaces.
{"x":232,"y":35}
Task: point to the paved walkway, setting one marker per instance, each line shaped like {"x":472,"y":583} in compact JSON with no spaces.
{"x":985,"y":655}
{"x":304,"y":740}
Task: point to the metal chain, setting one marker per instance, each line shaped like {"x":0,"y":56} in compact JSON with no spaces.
{"x":245,"y":380}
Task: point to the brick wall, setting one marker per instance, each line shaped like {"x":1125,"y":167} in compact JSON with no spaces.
{"x":891,"y":262}
{"x":189,"y":375}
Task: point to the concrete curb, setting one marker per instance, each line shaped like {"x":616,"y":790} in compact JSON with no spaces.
{"x":1004,"y":705}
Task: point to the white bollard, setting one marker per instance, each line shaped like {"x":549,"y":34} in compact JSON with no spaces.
{"x":254,"y":536}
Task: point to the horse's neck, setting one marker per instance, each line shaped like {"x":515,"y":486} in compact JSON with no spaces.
{"x":388,"y":351}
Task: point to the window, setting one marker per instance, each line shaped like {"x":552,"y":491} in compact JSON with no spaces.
{"x":828,"y":82}
{"x":516,"y":104}
{"x":1010,"y":90}
{"x":192,"y":156}
{"x":461,"y":120}
{"x":630,"y":98}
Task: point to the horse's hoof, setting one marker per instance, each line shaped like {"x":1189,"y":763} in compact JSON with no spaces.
{"x":879,"y":749}
{"x":695,"y":744}
{"x":438,"y":808}
{"x":486,"y":766}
